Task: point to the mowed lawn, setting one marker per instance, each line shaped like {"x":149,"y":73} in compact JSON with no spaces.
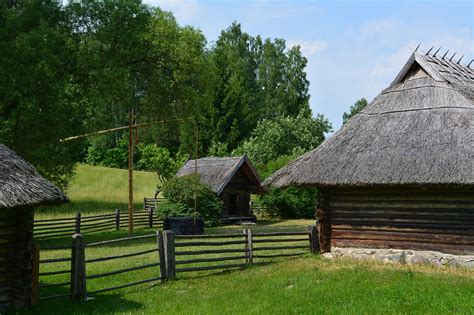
{"x":308,"y":285}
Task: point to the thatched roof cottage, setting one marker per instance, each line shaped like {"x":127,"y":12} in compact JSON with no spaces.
{"x":21,"y":189}
{"x":400,"y":174}
{"x":233,"y":179}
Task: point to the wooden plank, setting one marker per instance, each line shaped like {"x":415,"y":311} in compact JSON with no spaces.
{"x":214,"y":259}
{"x":205,"y":268}
{"x":280,"y":247}
{"x":168,"y":245}
{"x":210,"y":251}
{"x":116,"y":272}
{"x":125,"y":239}
{"x":182,"y":244}
{"x":101,"y":259}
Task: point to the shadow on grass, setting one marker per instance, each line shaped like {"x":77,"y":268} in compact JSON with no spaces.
{"x":102,"y":304}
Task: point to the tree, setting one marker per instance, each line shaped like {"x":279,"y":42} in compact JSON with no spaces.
{"x":358,"y":106}
{"x":40,"y":96}
{"x":285,"y":135}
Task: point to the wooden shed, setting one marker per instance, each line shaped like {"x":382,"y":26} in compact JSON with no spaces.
{"x":400,"y":174}
{"x":21,"y":189}
{"x":233,"y":179}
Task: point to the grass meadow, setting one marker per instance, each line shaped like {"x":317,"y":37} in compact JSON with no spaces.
{"x":306,"y":285}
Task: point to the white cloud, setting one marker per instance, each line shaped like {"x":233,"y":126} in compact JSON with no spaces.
{"x":183,"y":10}
{"x":308,"y":48}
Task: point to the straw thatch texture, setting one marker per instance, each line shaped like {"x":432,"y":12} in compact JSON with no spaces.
{"x":217,"y":172}
{"x":419,"y":131}
{"x":21,"y":185}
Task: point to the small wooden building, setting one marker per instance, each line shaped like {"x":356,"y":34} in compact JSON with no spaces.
{"x":21,"y":189}
{"x":234,"y":179}
{"x":400,"y":174}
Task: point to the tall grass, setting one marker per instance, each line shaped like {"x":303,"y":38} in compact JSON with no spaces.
{"x":95,"y":189}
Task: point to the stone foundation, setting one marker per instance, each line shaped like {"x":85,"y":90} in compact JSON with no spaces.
{"x":410,"y":257}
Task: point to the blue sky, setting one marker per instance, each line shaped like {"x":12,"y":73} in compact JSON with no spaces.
{"x":354,"y":48}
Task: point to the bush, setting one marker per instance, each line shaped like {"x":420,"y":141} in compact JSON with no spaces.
{"x":290,"y":203}
{"x":179,"y":194}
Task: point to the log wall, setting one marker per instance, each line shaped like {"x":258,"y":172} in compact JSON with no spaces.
{"x":16,"y":227}
{"x":404,"y":218}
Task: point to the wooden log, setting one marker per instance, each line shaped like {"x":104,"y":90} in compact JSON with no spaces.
{"x":280,"y":240}
{"x":119,"y":271}
{"x":125,"y":239}
{"x":182,"y":244}
{"x":205,"y":268}
{"x":210,"y":251}
{"x":314,"y":239}
{"x":35,"y":257}
{"x":249,"y":246}
{"x":101,"y":259}
{"x":280,"y":247}
{"x":214,"y":259}
{"x":168,"y":244}
{"x":161,"y":255}
{"x":117,"y":219}
{"x":279,"y":255}
{"x":130,"y":284}
{"x":78,"y":269}
{"x":78,"y":223}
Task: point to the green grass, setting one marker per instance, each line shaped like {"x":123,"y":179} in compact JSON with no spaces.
{"x":307,"y":285}
{"x":95,"y":190}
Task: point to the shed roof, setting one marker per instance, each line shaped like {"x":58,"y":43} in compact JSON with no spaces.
{"x":22,"y":185}
{"x":217,"y":172}
{"x":418,"y":131}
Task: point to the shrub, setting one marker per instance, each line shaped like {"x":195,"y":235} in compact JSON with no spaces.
{"x":179,"y":194}
{"x":290,"y":203}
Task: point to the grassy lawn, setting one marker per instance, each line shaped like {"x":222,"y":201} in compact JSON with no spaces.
{"x":97,"y":190}
{"x":305,"y":285}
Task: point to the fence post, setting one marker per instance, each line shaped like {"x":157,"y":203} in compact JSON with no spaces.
{"x":161,"y":255}
{"x":78,"y":223}
{"x":250,"y":246}
{"x":117,"y":219}
{"x":168,"y":245}
{"x":150,"y":218}
{"x":35,"y":257}
{"x":314,"y":239}
{"x":78,"y":268}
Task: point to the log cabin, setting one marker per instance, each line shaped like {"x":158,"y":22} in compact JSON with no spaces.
{"x":400,"y":174}
{"x":233,"y":179}
{"x":21,"y":189}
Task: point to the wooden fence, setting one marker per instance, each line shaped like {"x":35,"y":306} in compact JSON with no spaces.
{"x":175,"y":255}
{"x":66,"y":226}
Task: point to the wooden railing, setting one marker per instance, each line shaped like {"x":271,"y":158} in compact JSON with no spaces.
{"x":66,"y":226}
{"x":175,"y":255}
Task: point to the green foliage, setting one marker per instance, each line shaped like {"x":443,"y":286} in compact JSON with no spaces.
{"x":284,"y":135}
{"x":181,"y":193}
{"x":40,"y":98}
{"x":156,"y":159}
{"x":355,"y":109}
{"x":290,"y":203}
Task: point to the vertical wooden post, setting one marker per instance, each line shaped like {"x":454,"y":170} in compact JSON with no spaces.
{"x":117,"y":219}
{"x":77,"y":229}
{"x":324,"y":222}
{"x":244,"y":232}
{"x":168,"y":245}
{"x":78,"y":268}
{"x":150,"y":218}
{"x":161,"y":255}
{"x":130,"y":174}
{"x":314,"y":239}
{"x":250,"y":246}
{"x":35,"y":257}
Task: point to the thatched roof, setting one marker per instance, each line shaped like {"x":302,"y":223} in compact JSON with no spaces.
{"x":21,"y":185}
{"x":418,"y":131}
{"x":217,"y":172}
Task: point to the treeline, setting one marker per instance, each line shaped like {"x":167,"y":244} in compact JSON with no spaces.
{"x":68,"y":69}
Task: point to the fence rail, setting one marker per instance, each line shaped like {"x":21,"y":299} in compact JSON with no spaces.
{"x":175,"y":255}
{"x":63,"y":227}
